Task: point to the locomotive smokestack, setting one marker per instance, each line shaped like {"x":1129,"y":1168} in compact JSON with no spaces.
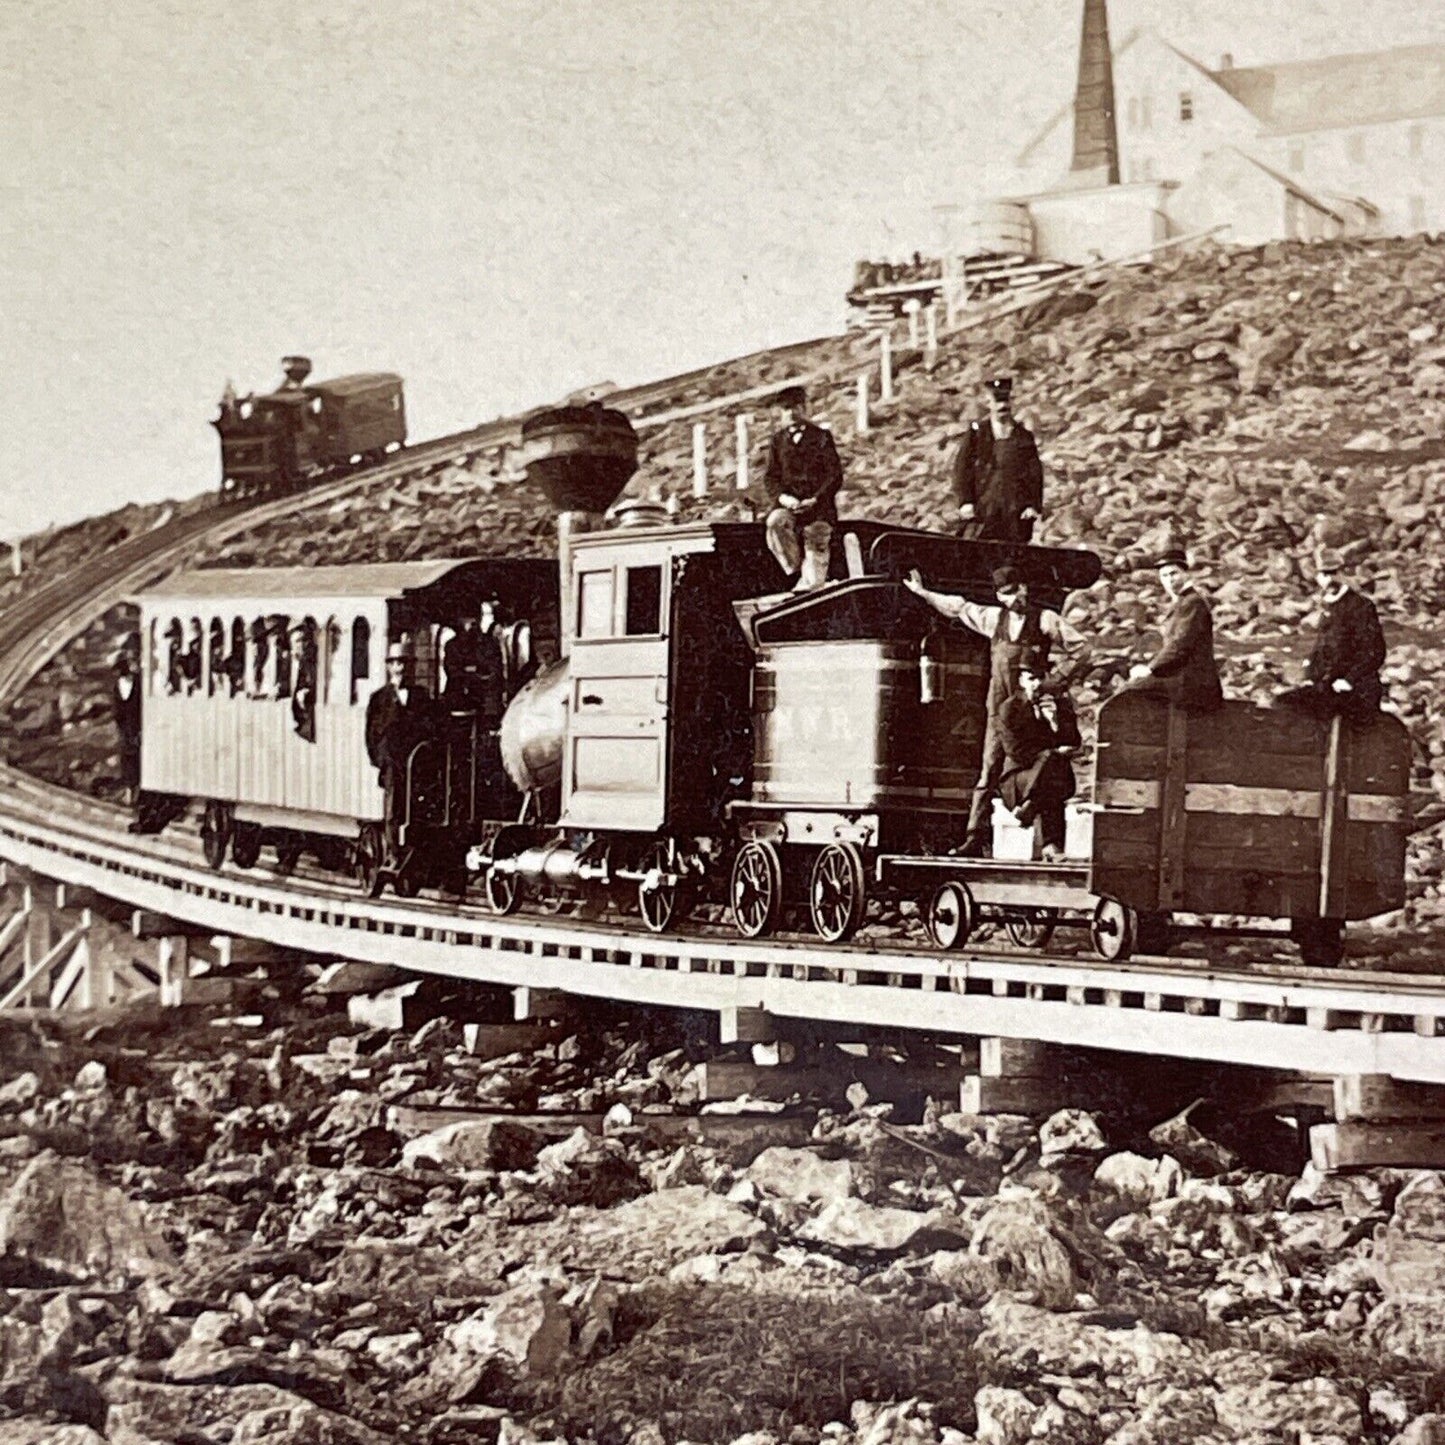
{"x":581,"y":457}
{"x":296,"y":369}
{"x":1096,"y":137}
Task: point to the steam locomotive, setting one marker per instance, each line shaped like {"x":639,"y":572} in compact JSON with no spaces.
{"x":697,"y":733}
{"x":302,"y":432}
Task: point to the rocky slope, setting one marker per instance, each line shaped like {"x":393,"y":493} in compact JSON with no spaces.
{"x":250,"y":1229}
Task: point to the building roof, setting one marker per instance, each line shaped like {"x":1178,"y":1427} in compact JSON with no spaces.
{"x":1341,"y":90}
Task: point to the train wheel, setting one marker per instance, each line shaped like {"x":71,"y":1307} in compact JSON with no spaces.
{"x":756,"y":889}
{"x":1114,"y":930}
{"x":246,"y":845}
{"x":369,"y":855}
{"x":1321,"y":941}
{"x":952,"y":915}
{"x":216,"y":832}
{"x":658,"y":898}
{"x":838,"y":894}
{"x":1032,"y":932}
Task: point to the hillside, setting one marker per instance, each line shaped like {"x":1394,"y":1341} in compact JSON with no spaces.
{"x":1251,"y":402}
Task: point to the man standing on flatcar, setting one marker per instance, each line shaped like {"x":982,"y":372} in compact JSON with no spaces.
{"x":1014,"y":628}
{"x":801,"y":481}
{"x":1183,"y":670}
{"x":998,"y":479}
{"x":398,"y":717}
{"x":1342,"y":676}
{"x":1039,"y":731}
{"x":126,"y":700}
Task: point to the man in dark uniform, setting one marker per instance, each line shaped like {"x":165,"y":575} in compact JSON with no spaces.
{"x":801,"y":481}
{"x":126,"y":700}
{"x":998,"y":479}
{"x":398,"y":717}
{"x":1342,"y":675}
{"x":1014,"y":628}
{"x":1039,"y":731}
{"x":1184,"y":669}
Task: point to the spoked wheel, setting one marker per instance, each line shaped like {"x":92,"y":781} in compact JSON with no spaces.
{"x":838,"y":893}
{"x":369,"y":856}
{"x":756,"y":889}
{"x":1033,"y":931}
{"x":216,"y":832}
{"x":1114,"y":930}
{"x":659,"y":893}
{"x":1321,"y":940}
{"x":504,"y":889}
{"x":246,"y":845}
{"x":952,"y":915}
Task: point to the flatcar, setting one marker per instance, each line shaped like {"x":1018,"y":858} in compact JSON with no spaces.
{"x":304,"y":431}
{"x":255,"y":688}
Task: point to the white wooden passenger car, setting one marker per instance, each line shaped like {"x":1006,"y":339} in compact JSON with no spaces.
{"x":256,"y":684}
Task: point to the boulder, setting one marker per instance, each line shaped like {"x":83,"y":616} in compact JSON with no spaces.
{"x":1195,"y":1151}
{"x":475,"y":1144}
{"x":802,"y":1176}
{"x":850,"y":1224}
{"x":1410,"y":1250}
{"x":142,"y":1413}
{"x":1137,"y":1180}
{"x":1005,"y":1417}
{"x":642,"y":1237}
{"x":1069,"y":1131}
{"x":1423,"y":1430}
{"x":59,"y":1216}
{"x":1029,"y":1251}
{"x":1309,"y":1409}
{"x":1408,"y":1329}
{"x":1019,"y":1336}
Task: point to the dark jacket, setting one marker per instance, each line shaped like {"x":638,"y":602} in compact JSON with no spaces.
{"x":808,"y":468}
{"x":394,"y":728}
{"x":1001,"y":478}
{"x":1184,"y":667}
{"x":1027,"y":736}
{"x":1350,"y":645}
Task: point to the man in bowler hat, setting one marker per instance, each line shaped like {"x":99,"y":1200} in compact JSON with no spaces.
{"x":1184,"y":669}
{"x":1342,"y":676}
{"x":801,"y":480}
{"x":998,"y":479}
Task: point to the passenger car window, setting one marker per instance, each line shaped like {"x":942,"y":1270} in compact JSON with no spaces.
{"x":644,"y":602}
{"x":594,"y":604}
{"x":360,"y":657}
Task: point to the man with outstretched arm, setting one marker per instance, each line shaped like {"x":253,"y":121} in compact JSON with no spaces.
{"x":1014,"y":627}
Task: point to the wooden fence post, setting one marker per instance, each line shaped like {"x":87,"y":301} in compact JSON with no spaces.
{"x":930,"y":350}
{"x":861,"y":424}
{"x":911,"y":307}
{"x":17,"y":562}
{"x":699,"y":459}
{"x":885,"y":366}
{"x":741,"y":427}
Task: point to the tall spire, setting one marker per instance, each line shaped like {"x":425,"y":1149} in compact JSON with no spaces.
{"x":1096,"y":138}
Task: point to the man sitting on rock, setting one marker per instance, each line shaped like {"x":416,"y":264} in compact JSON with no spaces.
{"x":1039,"y":731}
{"x":1342,"y":676}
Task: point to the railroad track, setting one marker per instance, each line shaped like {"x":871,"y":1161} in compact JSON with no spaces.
{"x":1275,"y":1016}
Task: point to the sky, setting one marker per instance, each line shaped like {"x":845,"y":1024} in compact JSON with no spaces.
{"x":501,"y":201}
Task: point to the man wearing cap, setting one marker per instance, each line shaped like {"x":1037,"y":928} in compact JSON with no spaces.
{"x":1014,"y":628}
{"x":126,"y":703}
{"x":801,"y":481}
{"x":998,"y":479}
{"x":1342,"y":676}
{"x":398,"y":717}
{"x":1039,"y":732}
{"x":1184,"y":669}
